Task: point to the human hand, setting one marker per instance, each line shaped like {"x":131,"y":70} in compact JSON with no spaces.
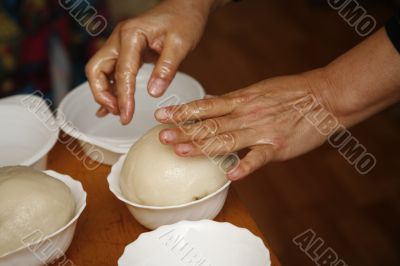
{"x":262,"y":117}
{"x":164,"y":34}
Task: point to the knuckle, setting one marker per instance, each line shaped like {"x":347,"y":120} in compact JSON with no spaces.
{"x":98,"y":99}
{"x":180,"y":114}
{"x":124,"y":27}
{"x":204,"y":129}
{"x":131,"y":32}
{"x":204,"y":105}
{"x":229,"y":141}
{"x":121,"y":74}
{"x":188,"y":112}
{"x":90,"y":68}
{"x":211,"y":126}
{"x":177,"y":40}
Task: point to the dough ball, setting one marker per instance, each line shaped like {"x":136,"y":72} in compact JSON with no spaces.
{"x":32,"y":204}
{"x":154,"y":175}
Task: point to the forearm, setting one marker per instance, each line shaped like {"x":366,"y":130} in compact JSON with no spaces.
{"x":364,"y":80}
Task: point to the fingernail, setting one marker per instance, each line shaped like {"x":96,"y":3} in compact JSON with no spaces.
{"x":168,"y":136}
{"x":162,"y":114}
{"x":185,"y":148}
{"x":235,"y":174}
{"x":123,"y":118}
{"x":230,"y":162}
{"x":157,"y":86}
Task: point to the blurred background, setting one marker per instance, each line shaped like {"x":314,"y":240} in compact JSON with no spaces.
{"x":358,"y":216}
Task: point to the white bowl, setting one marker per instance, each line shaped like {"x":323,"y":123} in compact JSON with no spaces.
{"x":153,"y":217}
{"x":28,"y":131}
{"x":76,"y":115}
{"x":197,"y":243}
{"x":53,"y":246}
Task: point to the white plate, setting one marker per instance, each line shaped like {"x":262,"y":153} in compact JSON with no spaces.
{"x":205,"y":243}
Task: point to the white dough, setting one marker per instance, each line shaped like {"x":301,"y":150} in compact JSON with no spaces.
{"x":154,"y":175}
{"x":32,"y":204}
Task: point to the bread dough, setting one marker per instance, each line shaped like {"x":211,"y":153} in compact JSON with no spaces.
{"x":154,"y":175}
{"x":32,"y":204}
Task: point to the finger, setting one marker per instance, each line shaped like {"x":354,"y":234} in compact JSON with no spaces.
{"x":174,"y":51}
{"x":222,"y":144}
{"x":102,"y":112}
{"x":97,"y":70}
{"x":201,"y":130}
{"x":208,"y":96}
{"x":132,"y":44}
{"x":253,"y":160}
{"x":197,"y":110}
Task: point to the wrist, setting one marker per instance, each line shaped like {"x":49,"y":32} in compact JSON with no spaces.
{"x":323,"y":88}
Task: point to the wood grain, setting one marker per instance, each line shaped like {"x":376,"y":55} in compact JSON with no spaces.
{"x":106,"y":226}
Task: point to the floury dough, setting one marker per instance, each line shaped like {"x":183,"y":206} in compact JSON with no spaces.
{"x":32,"y":203}
{"x":154,"y":175}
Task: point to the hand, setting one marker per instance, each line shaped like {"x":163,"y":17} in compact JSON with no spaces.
{"x":262,"y":118}
{"x":165,"y":35}
{"x":273,"y":118}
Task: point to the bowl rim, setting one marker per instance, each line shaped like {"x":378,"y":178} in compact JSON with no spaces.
{"x":199,"y":223}
{"x":114,"y":174}
{"x":101,"y":141}
{"x":15,"y":101}
{"x":83,"y":197}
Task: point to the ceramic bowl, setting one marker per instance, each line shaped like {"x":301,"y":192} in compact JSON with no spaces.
{"x":45,"y":249}
{"x":28,"y":131}
{"x":106,"y":136}
{"x":153,"y":217}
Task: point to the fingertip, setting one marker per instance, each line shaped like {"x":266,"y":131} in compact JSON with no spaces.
{"x":184,"y":150}
{"x":162,"y":115}
{"x":167,"y":136}
{"x":126,"y":110}
{"x":157,"y":86}
{"x":236,"y":173}
{"x":102,"y":111}
{"x":124,"y":117}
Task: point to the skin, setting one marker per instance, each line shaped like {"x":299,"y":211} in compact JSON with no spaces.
{"x":262,"y":117}
{"x":164,"y":35}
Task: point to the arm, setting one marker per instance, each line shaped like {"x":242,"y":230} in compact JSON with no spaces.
{"x":364,"y":80}
{"x":263,"y":117}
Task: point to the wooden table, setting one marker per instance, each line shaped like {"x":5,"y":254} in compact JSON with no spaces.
{"x":106,"y":226}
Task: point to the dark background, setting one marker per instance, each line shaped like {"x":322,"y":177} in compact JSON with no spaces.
{"x":356,"y":215}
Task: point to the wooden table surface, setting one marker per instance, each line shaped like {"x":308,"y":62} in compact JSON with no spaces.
{"x":106,"y":226}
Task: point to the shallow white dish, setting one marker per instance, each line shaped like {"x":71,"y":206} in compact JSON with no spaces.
{"x":49,"y":248}
{"x":205,"y":243}
{"x":76,"y":115}
{"x":28,"y":131}
{"x":153,"y":217}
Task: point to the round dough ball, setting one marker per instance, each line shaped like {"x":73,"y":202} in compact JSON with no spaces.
{"x":32,"y":206}
{"x":154,"y":175}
